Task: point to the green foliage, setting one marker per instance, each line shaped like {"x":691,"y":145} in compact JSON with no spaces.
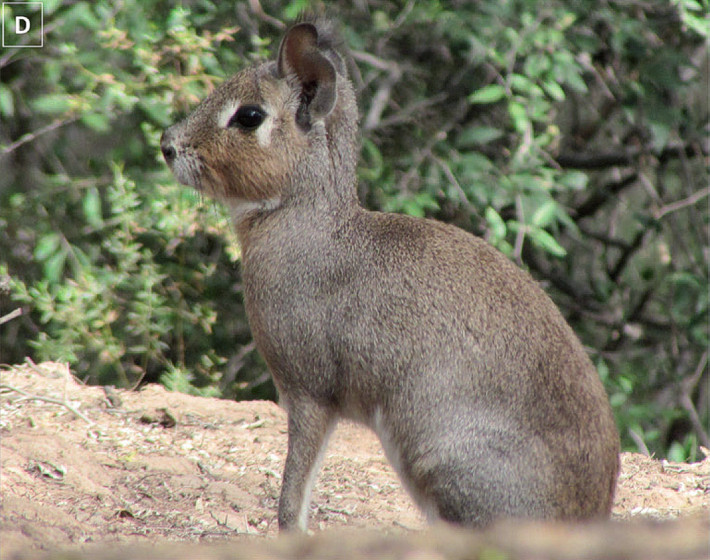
{"x":183,"y":381}
{"x":122,"y":269}
{"x":125,"y":290}
{"x":571,"y":135}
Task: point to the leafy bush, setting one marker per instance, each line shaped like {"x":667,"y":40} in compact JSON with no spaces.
{"x":127,"y":276}
{"x":571,"y":135}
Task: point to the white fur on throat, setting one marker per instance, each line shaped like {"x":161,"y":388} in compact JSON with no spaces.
{"x":240,"y":208}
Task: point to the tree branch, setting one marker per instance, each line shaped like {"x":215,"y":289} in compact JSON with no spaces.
{"x":32,"y":135}
{"x":599,"y":197}
{"x":10,"y":316}
{"x":687,"y":388}
{"x":625,"y":158}
{"x":678,"y":205}
{"x":634,"y":246}
{"x":256,"y":8}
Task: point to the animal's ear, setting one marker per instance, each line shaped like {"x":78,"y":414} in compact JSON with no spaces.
{"x":299,"y":55}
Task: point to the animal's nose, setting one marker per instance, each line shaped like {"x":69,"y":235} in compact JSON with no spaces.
{"x":167,"y":147}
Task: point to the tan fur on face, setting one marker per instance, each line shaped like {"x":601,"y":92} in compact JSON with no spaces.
{"x":213,"y":157}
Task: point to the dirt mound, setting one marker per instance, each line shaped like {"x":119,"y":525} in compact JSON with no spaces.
{"x":82,"y":465}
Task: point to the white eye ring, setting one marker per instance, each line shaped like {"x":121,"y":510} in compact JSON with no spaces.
{"x":227,"y":112}
{"x":247,"y":117}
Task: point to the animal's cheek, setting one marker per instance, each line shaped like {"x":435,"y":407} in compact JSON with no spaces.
{"x":247,"y":172}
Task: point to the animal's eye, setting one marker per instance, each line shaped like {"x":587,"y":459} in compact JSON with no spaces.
{"x":247,"y":117}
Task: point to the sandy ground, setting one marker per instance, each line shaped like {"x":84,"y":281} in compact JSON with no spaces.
{"x":82,"y":469}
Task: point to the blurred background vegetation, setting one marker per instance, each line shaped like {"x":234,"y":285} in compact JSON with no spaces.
{"x":573,"y":135}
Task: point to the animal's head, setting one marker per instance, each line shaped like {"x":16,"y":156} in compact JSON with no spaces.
{"x":271,"y":126}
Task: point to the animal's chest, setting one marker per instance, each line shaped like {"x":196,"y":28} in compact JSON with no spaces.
{"x":289,"y":304}
{"x":288,"y":311}
{"x":293,"y":283}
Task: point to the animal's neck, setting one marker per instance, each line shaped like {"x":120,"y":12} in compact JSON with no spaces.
{"x":321,"y":189}
{"x":320,"y":197}
{"x":324,"y":179}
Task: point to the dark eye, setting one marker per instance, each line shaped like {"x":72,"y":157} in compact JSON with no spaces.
{"x":247,"y":117}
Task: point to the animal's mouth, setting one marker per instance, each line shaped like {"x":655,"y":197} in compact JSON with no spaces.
{"x":186,"y":165}
{"x":186,"y":178}
{"x":187,"y":169}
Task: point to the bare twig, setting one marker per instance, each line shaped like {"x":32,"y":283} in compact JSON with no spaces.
{"x":48,"y":28}
{"x":603,"y":195}
{"x":457,"y":186}
{"x":406,"y":114}
{"x":254,"y":425}
{"x":520,"y":235}
{"x":649,"y":187}
{"x":342,"y":511}
{"x":403,"y":14}
{"x":51,"y":400}
{"x":372,"y":60}
{"x":10,"y":316}
{"x":382,"y":95}
{"x":680,"y":204}
{"x":235,"y":364}
{"x":263,"y":378}
{"x":602,"y":238}
{"x":33,"y":135}
{"x":137,"y":383}
{"x":255,"y":6}
{"x":423,"y":154}
{"x":223,"y":523}
{"x":623,"y":260}
{"x":381,"y":99}
{"x":687,"y":388}
{"x":638,"y":440}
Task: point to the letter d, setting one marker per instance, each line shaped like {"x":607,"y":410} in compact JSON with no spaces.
{"x":22,"y":25}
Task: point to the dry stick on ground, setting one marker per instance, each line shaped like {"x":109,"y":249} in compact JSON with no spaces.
{"x":51,"y":400}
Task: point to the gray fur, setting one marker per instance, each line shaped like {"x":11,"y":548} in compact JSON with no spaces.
{"x":483,"y":397}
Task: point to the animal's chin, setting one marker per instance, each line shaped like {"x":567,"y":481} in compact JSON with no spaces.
{"x":200,"y":187}
{"x":208,"y":184}
{"x":207,"y":189}
{"x":184,"y":178}
{"x":203,"y":188}
{"x":186,"y":173}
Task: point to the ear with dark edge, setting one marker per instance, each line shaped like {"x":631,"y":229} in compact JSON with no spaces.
{"x":299,"y":55}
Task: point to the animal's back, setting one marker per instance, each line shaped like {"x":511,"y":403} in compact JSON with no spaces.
{"x":467,"y":371}
{"x":489,"y":375}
